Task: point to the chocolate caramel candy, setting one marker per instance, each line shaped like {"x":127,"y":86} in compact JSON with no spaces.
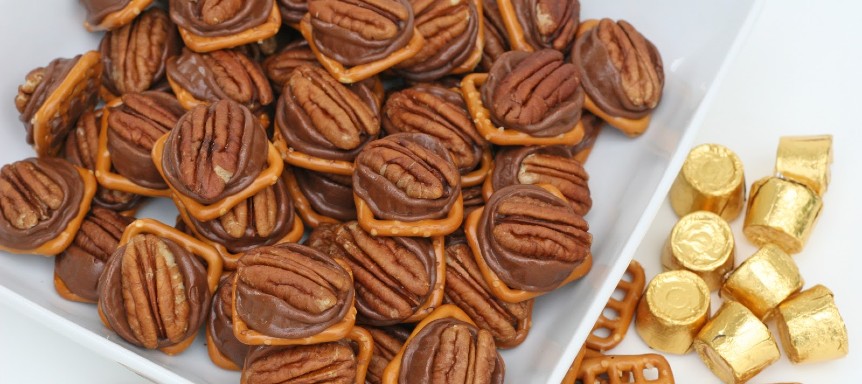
{"x":810,"y":327}
{"x":407,"y":177}
{"x":212,"y":18}
{"x":763,"y":281}
{"x":531,"y":239}
{"x":214,"y":151}
{"x":711,"y":179}
{"x":221,"y":341}
{"x":701,"y":242}
{"x":535,"y":93}
{"x":673,"y":309}
{"x":154,"y":293}
{"x":805,"y":160}
{"x":781,"y":212}
{"x":545,"y":24}
{"x":544,"y":165}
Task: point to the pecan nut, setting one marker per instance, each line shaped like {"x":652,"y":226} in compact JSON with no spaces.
{"x":622,"y":71}
{"x":544,"y":165}
{"x":407,"y":177}
{"x":333,"y":362}
{"x":450,"y":29}
{"x":531,"y":239}
{"x":547,"y":23}
{"x":329,"y":195}
{"x":387,"y":343}
{"x":153,"y":292}
{"x":38,"y":199}
{"x":133,"y":128}
{"x":214,"y":151}
{"x":393,"y":276}
{"x":219,"y":17}
{"x":496,"y":37}
{"x":465,"y":287}
{"x":535,"y":93}
{"x":80,"y":265}
{"x":291,"y":291}
{"x":134,"y":55}
{"x":439,"y":112}
{"x":451,"y":351}
{"x":220,"y":323}
{"x":320,"y":117}
{"x":81,"y":148}
{"x":354,"y":32}
{"x":218,"y":75}
{"x":280,"y":66}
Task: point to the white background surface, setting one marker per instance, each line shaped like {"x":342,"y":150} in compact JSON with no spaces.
{"x":797,"y":74}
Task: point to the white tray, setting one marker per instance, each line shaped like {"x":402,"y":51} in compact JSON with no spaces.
{"x":629,"y":179}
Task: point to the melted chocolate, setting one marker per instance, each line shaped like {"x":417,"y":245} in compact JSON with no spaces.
{"x":220,"y":323}
{"x":97,"y":10}
{"x":329,"y":195}
{"x":190,"y":15}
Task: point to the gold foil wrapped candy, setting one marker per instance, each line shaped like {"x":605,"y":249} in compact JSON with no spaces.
{"x":763,"y":281}
{"x":735,"y":345}
{"x":711,"y":179}
{"x":781,"y":212}
{"x":672,"y":310}
{"x":810,"y":327}
{"x":806,"y":160}
{"x":701,"y":242}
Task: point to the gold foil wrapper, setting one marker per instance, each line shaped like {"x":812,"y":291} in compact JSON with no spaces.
{"x":763,"y":281}
{"x":701,"y":242}
{"x":805,"y":160}
{"x":711,"y":179}
{"x":810,"y":327}
{"x":672,"y":310}
{"x":781,"y":212}
{"x":735,"y":344}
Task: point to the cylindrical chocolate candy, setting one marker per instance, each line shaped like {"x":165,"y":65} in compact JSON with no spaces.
{"x":763,"y":281}
{"x":781,"y":212}
{"x":805,"y":160}
{"x":672,"y":310}
{"x":735,"y":345}
{"x":810,"y":327}
{"x":711,"y":179}
{"x":701,"y":242}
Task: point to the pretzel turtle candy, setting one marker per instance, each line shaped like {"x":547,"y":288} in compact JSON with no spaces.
{"x":625,"y":369}
{"x":362,"y":71}
{"x":254,"y":34}
{"x":421,"y":228}
{"x":302,"y":160}
{"x":497,"y":286}
{"x":202,"y":212}
{"x":625,"y":309}
{"x":119,"y":18}
{"x":470,"y":86}
{"x":204,"y":252}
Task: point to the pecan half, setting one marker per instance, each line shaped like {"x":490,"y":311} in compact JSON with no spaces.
{"x":320,"y":117}
{"x":38,"y":199}
{"x":355,"y":32}
{"x":387,"y":343}
{"x":465,"y":287}
{"x":219,"y":17}
{"x":81,"y":148}
{"x":544,"y":165}
{"x":333,"y":362}
{"x":548,"y":23}
{"x":448,"y":351}
{"x":80,"y":265}
{"x":536,"y":93}
{"x":153,"y":292}
{"x":450,"y":29}
{"x":496,"y":37}
{"x":439,"y":112}
{"x":280,"y":66}
{"x":220,"y":323}
{"x":532,"y":239}
{"x":622,"y":71}
{"x":407,"y":177}
{"x":134,"y":55}
{"x":291,"y":291}
{"x":393,"y":276}
{"x":214,"y":151}
{"x":329,"y":195}
{"x":217,"y":75}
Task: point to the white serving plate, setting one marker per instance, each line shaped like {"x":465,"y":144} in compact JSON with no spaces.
{"x":629,"y":179}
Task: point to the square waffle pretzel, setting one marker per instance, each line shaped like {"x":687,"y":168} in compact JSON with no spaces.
{"x":625,"y":309}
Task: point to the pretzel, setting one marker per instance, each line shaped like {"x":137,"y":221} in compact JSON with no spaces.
{"x":584,"y":153}
{"x":62,"y":241}
{"x":303,"y":207}
{"x":498,"y":287}
{"x":585,"y":353}
{"x":522,"y":329}
{"x":230,"y":259}
{"x":435,"y":298}
{"x":334,"y":332}
{"x":514,"y":30}
{"x":393,"y":370}
{"x":362,"y":71}
{"x":218,"y":358}
{"x":119,"y":18}
{"x":470,"y":86}
{"x":201,"y":212}
{"x":104,"y":163}
{"x":303,"y":160}
{"x":254,"y":34}
{"x":618,"y":327}
{"x":625,"y":369}
{"x":64,"y":292}
{"x":421,"y":228}
{"x":468,"y":65}
{"x":478,"y":175}
{"x":89,"y":65}
{"x":189,"y":101}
